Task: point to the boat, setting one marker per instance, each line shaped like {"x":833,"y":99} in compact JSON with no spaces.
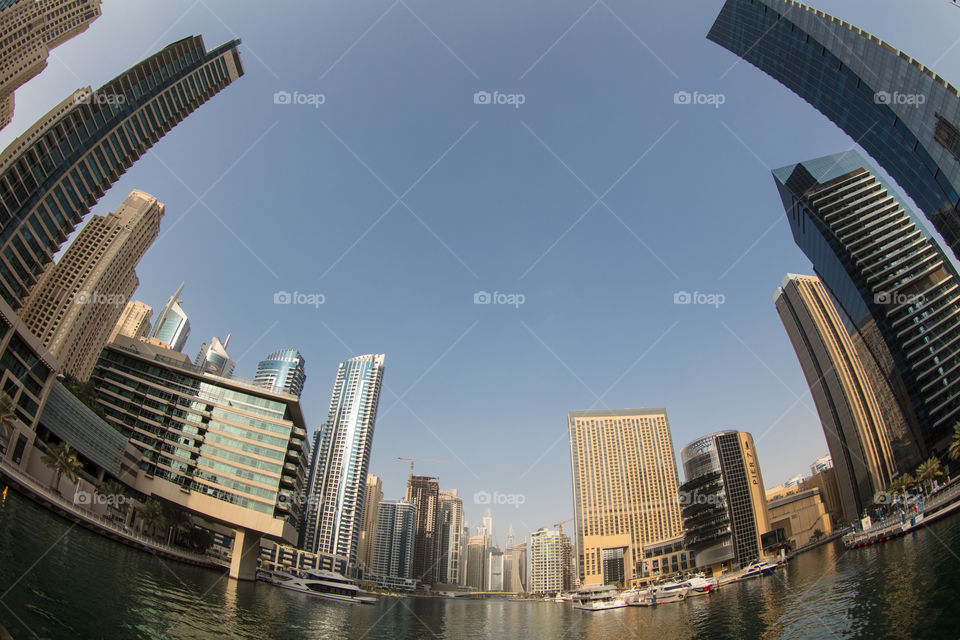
{"x":634,"y":596}
{"x":598,"y":598}
{"x":758,"y":568}
{"x":699,"y":585}
{"x":665,"y":592}
{"x":322,"y":584}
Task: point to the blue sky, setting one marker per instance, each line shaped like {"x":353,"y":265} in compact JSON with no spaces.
{"x":399,"y":198}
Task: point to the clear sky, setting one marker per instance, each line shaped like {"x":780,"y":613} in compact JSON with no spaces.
{"x":399,"y":198}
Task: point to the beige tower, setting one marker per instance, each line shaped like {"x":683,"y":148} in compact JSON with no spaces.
{"x":853,"y":421}
{"x":134,"y":321}
{"x":76,"y":302}
{"x":368,"y":528}
{"x":31,"y":29}
{"x":624,"y":490}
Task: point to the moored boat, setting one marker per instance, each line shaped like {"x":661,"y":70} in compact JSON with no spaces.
{"x":665,"y":592}
{"x":598,"y":598}
{"x":699,"y":585}
{"x":758,"y":568}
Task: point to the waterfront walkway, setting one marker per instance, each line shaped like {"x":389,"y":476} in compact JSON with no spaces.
{"x":936,"y":506}
{"x":46,"y":497}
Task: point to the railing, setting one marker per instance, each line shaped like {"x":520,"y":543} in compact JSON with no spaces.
{"x":103,"y":522}
{"x":899,"y":522}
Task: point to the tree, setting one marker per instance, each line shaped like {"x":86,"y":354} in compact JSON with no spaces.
{"x":64,"y":462}
{"x":928,"y":471}
{"x":953,"y":451}
{"x":817,"y":534}
{"x":151,"y":514}
{"x":176,"y":521}
{"x":116,"y":494}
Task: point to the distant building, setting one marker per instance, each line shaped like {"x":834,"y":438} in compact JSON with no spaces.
{"x":515,"y":568}
{"x":451,"y":537}
{"x":477,"y":563}
{"x":821,"y":464}
{"x":134,"y":321}
{"x":624,"y":490}
{"x":424,"y":492}
{"x":172,"y":327}
{"x":825,"y":483}
{"x":724,"y":503}
{"x":550,"y":562}
{"x":78,"y":300}
{"x":800,"y":515}
{"x":494,"y":579}
{"x":32,"y":29}
{"x":850,"y":413}
{"x":393,"y":545}
{"x":341,"y":459}
{"x":368,"y":531}
{"x":284,"y":369}
{"x":666,"y":558}
{"x":213,"y":358}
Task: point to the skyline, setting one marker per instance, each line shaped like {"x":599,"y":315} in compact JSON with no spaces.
{"x":454,"y":362}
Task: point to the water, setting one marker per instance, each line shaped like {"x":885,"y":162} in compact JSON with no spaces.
{"x":60,"y":581}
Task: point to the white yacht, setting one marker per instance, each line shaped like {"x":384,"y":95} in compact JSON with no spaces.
{"x":323,"y":584}
{"x":598,"y":598}
{"x":665,"y":592}
{"x":758,"y":568}
{"x":699,"y":585}
{"x":634,"y":596}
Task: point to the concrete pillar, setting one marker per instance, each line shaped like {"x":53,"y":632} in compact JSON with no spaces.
{"x":246,"y":550}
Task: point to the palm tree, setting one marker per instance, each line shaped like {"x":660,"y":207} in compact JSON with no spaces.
{"x":953,"y":451}
{"x":117,"y":496}
{"x":817,"y":534}
{"x":929,"y":471}
{"x":176,"y":521}
{"x":151,"y":514}
{"x":64,"y":462}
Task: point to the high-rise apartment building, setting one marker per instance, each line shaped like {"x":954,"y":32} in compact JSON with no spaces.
{"x":284,"y":369}
{"x":368,"y":531}
{"x":225,"y":449}
{"x":52,"y":174}
{"x":31,"y":29}
{"x":494,"y":577}
{"x":724,"y":501}
{"x":477,"y":563}
{"x":77,"y":301}
{"x":393,"y":547}
{"x":624,"y":490}
{"x":901,"y":112}
{"x":172,"y":327}
{"x":849,"y":411}
{"x":550,"y":562}
{"x":341,"y":461}
{"x":515,"y":568}
{"x":424,"y":492}
{"x":134,"y":321}
{"x":899,"y":291}
{"x":450,"y":546}
{"x":213,"y":358}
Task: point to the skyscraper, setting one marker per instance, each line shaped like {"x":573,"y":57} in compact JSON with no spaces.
{"x":78,"y":300}
{"x":134,"y":321}
{"x":897,"y":288}
{"x":550,"y":555}
{"x":850,"y":414}
{"x":902,"y":113}
{"x":450,"y":565}
{"x":213,"y":358}
{"x":341,"y":460}
{"x":477,"y":563}
{"x":368,"y":531}
{"x":393,"y":546}
{"x":172,"y":327}
{"x":494,"y":578}
{"x":515,"y":568}
{"x":284,"y":369}
{"x":724,"y":501}
{"x":32,"y":29}
{"x":53,"y":173}
{"x":424,"y":492}
{"x":624,"y":490}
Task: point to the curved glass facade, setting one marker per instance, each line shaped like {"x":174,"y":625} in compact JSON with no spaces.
{"x":283,"y":370}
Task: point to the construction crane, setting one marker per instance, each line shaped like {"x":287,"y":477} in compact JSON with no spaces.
{"x":412,"y":460}
{"x":559,"y":525}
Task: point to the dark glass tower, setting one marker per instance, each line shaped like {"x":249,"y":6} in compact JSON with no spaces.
{"x":52,"y":174}
{"x":898,"y":289}
{"x":902,"y":113}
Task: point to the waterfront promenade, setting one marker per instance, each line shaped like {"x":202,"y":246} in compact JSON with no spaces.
{"x":46,"y":497}
{"x":937,"y":505}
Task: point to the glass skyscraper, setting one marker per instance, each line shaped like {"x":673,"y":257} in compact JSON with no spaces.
{"x":172,"y":326}
{"x":52,"y":174}
{"x":283,"y":370}
{"x":900,"y":292}
{"x":902,"y":113}
{"x":341,"y":457}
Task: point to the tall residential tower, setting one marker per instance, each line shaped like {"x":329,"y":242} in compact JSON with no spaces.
{"x":172,"y":327}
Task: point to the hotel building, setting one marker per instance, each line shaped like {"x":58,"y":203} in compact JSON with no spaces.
{"x":624,"y":490}
{"x":393,"y":546}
